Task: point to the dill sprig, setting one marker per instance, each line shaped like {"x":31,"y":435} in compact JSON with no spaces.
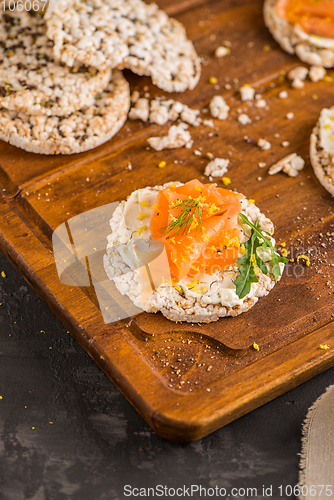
{"x":191,"y":213}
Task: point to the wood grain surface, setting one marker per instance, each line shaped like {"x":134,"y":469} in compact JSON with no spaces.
{"x":161,"y":367}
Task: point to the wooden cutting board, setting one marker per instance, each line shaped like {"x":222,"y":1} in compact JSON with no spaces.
{"x":189,"y":380}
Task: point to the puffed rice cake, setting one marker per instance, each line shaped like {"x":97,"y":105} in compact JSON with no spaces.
{"x":82,"y":130}
{"x":30,"y":80}
{"x":125,"y":34}
{"x":293,"y":40}
{"x":167,"y":299}
{"x":322,"y":162}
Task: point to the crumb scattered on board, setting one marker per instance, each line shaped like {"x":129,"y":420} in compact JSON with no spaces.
{"x":247,"y":93}
{"x":218,"y":108}
{"x":291,"y":165}
{"x":263,"y":144}
{"x":177,"y":137}
{"x":217,"y":167}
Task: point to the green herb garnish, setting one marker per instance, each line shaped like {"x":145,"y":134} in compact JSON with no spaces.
{"x":190,"y":215}
{"x":250,"y":263}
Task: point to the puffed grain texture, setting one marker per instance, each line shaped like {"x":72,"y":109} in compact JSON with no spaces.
{"x":78,"y":132}
{"x":126,"y":34}
{"x":31,"y":80}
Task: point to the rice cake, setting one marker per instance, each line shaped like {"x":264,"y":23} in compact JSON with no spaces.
{"x":30,"y":80}
{"x":312,"y":49}
{"x":78,"y":132}
{"x":321,"y":149}
{"x":126,"y":34}
{"x":174,"y":299}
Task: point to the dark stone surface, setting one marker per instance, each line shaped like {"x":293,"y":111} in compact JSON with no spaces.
{"x":67,"y":433}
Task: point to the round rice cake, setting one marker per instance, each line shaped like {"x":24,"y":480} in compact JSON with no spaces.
{"x":82,"y":130}
{"x":312,"y":49}
{"x":173,"y":298}
{"x":125,"y":33}
{"x":322,"y":151}
{"x":30,"y":80}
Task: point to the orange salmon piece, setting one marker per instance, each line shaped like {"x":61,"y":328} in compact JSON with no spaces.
{"x":316,"y":17}
{"x":209,"y":247}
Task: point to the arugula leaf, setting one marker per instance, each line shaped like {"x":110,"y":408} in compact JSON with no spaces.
{"x":250,"y":263}
{"x":247,"y":274}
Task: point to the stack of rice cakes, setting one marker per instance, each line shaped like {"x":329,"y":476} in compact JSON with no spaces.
{"x":61,"y":88}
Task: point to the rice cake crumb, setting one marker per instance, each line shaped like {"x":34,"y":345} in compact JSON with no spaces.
{"x":244,"y":119}
{"x":263,"y":144}
{"x":290,"y":115}
{"x":218,"y":108}
{"x":247,"y":93}
{"x":160,"y":111}
{"x":317,"y":73}
{"x":140,"y":111}
{"x":135,"y":96}
{"x":291,"y":165}
{"x":217,"y":167}
{"x":190,"y":116}
{"x":283,"y":94}
{"x":208,"y":123}
{"x":300,"y":72}
{"x":177,"y":137}
{"x":297,"y":83}
{"x":261,"y":103}
{"x":222,"y":51}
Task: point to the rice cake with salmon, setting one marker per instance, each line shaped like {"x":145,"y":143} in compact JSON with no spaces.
{"x":203,"y":232}
{"x":304,"y":28}
{"x":322,"y":149}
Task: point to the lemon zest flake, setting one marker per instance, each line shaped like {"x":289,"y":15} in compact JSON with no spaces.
{"x":141,"y":229}
{"x":142,"y":216}
{"x":305,"y":258}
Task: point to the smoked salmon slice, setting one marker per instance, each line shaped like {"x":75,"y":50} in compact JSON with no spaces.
{"x":198,"y":225}
{"x":314,"y":16}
